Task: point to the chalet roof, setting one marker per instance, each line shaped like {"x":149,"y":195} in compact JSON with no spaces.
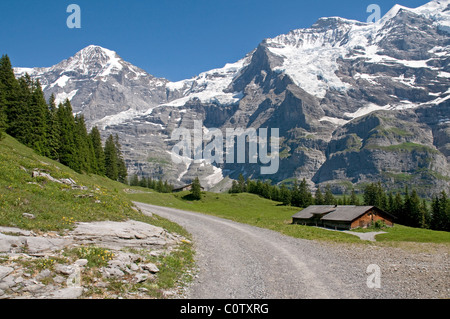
{"x":347,"y":213}
{"x":332,"y":212}
{"x":309,"y":211}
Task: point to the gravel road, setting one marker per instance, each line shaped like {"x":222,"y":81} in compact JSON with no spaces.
{"x":241,"y":261}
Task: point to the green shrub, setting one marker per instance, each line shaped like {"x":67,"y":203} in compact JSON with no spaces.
{"x":96,"y":257}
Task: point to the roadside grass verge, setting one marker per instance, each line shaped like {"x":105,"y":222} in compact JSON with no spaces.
{"x":400,"y":233}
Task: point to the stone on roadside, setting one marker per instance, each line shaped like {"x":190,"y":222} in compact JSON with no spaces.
{"x":67,"y":293}
{"x":7,"y":282}
{"x":43,"y":274}
{"x":81,"y":262}
{"x":5,"y":271}
{"x":150,"y":267}
{"x":141,"y":277}
{"x":112,"y":272}
{"x":64,"y":269}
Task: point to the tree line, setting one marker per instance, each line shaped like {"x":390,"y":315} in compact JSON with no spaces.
{"x":53,"y":131}
{"x":299,"y":195}
{"x":408,"y":208}
{"x":148,"y":182}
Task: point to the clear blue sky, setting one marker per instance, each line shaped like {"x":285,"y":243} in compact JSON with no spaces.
{"x":175,"y":39}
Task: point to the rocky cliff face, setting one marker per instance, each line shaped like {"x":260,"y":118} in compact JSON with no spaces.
{"x":354,"y":102}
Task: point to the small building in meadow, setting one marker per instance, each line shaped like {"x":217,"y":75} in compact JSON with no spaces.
{"x":342,"y":217}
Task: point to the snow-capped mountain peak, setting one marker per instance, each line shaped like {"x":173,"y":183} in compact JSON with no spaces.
{"x":436,"y":10}
{"x":93,"y":61}
{"x":97,"y":81}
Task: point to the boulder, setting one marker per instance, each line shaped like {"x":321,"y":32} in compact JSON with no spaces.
{"x":117,"y":235}
{"x":67,"y":293}
{"x":5,"y":271}
{"x":150,"y":267}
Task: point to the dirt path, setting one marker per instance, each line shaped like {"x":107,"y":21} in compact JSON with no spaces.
{"x":242,"y":261}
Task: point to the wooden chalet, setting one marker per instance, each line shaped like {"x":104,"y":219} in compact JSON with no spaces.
{"x":342,"y":217}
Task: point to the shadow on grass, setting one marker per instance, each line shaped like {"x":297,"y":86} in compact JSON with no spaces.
{"x":190,"y":197}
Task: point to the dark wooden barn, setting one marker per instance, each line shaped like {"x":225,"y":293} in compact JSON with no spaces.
{"x":342,"y":217}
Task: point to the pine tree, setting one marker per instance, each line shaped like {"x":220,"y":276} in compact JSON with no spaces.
{"x":17,"y":110}
{"x":406,"y":208}
{"x":425,"y":215}
{"x":436,"y":218}
{"x":134,"y":181}
{"x":159,"y":186}
{"x":99,"y":154}
{"x":84,"y":161}
{"x":318,"y":197}
{"x":37,"y":117}
{"x":66,"y":122}
{"x":275,"y":193}
{"x":3,"y":117}
{"x":397,"y":208}
{"x":111,"y":167}
{"x":151,"y":183}
{"x":390,"y":202}
{"x":329,"y":197}
{"x":295,"y":195}
{"x":415,"y":216}
{"x":374,"y":195}
{"x":370,"y":195}
{"x":196,"y":191}
{"x":266,"y":189}
{"x":234,"y":187}
{"x":440,"y":219}
{"x":2,"y":112}
{"x":143,"y":181}
{"x":53,"y":130}
{"x":381,"y":199}
{"x":354,"y":199}
{"x":251,"y":186}
{"x":167,"y":187}
{"x":285,"y":195}
{"x":9,"y":99}
{"x":259,"y":187}
{"x":344,"y":200}
{"x":305,"y":194}
{"x":121,"y":166}
{"x":241,"y":184}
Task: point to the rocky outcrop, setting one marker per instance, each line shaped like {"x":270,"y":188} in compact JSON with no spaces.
{"x":40,"y":265}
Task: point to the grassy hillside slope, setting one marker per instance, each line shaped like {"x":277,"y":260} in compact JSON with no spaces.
{"x":37,"y":203}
